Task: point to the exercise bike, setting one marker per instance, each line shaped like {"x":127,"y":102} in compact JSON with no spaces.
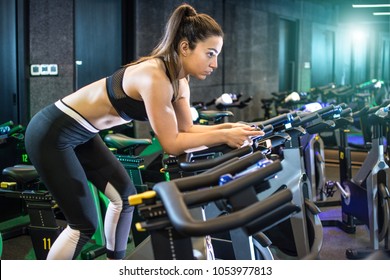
{"x":172,"y":226}
{"x":45,"y":221}
{"x":300,"y":237}
{"x":365,"y":196}
{"x":281,"y":134}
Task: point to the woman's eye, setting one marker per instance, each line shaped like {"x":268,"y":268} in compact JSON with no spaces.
{"x":211,"y":54}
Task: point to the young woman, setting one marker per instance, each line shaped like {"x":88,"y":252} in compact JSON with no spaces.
{"x":63,"y":143}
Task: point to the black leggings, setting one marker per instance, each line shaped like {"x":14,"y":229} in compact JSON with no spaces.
{"x":66,"y":156}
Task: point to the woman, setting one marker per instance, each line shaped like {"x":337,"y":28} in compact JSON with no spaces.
{"x":63,"y":143}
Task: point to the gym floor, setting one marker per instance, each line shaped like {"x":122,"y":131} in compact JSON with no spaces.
{"x":335,"y":241}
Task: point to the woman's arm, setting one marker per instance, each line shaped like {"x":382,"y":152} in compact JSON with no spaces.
{"x":172,"y":124}
{"x":184,"y":117}
{"x":204,"y":128}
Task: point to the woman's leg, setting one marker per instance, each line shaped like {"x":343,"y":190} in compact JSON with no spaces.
{"x":110,"y":177}
{"x":50,"y":148}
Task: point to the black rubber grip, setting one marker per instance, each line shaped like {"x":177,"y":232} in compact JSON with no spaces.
{"x":209,"y":163}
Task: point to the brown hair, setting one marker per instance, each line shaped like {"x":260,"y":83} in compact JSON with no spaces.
{"x":184,"y":23}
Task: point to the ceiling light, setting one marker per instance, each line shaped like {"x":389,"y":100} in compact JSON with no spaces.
{"x":381,"y":14}
{"x":371,"y":6}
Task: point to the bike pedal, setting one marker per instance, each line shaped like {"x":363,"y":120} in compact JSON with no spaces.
{"x":330,"y":188}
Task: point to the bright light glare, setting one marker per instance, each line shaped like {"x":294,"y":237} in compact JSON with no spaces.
{"x":381,"y":14}
{"x":358,"y":36}
{"x":370,"y":5}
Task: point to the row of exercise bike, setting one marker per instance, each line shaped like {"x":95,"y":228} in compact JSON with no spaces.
{"x":256,"y":202}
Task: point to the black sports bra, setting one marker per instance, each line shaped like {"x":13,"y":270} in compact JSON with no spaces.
{"x":127,"y":108}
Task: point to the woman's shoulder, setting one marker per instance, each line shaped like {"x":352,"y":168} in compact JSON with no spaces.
{"x":152,"y":69}
{"x":146,"y":76}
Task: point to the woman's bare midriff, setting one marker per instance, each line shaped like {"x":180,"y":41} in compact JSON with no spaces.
{"x":93,"y":104}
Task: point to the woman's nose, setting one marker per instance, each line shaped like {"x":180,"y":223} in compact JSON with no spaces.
{"x":214,"y":63}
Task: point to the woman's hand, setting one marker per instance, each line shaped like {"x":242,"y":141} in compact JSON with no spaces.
{"x":241,"y":134}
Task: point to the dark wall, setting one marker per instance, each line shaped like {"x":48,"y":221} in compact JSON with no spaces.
{"x":8,"y":64}
{"x":51,"y":41}
{"x":98,"y":39}
{"x":13,"y":92}
{"x":83,"y":37}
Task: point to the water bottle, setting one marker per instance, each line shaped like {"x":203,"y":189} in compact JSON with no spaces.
{"x":382,"y":112}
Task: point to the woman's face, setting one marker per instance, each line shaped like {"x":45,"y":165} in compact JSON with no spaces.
{"x":201,"y":61}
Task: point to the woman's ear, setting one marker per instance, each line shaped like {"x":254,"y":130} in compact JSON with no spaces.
{"x":184,"y":47}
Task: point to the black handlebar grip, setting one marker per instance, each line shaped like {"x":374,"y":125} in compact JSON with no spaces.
{"x":368,"y":111}
{"x":361,"y":112}
{"x":346,"y":112}
{"x":278,"y":120}
{"x":212,"y":178}
{"x":183,"y":222}
{"x":209,"y":163}
{"x":372,"y":110}
{"x":251,"y":179}
{"x":305,"y":119}
{"x":336,"y":111}
{"x":325,"y":110}
{"x":320,"y":127}
{"x":268,"y":129}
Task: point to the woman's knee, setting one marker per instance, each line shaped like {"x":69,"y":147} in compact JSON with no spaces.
{"x":119,"y":197}
{"x":120,"y":205}
{"x":87,"y":228}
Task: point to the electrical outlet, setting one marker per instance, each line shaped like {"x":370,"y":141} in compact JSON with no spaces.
{"x":35,"y":70}
{"x":44,"y":69}
{"x":53,"y":69}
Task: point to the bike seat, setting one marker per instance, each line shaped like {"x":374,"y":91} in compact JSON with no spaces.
{"x":214,"y":114}
{"x":121,"y":141}
{"x":22,"y":174}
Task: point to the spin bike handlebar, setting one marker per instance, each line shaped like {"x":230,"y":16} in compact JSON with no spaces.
{"x":209,"y":163}
{"x":373,"y":110}
{"x":211,"y":176}
{"x":347,"y":112}
{"x":186,"y":162}
{"x":327,"y":112}
{"x":366,"y":110}
{"x":177,"y":203}
{"x":229,"y":153}
{"x":306,"y":118}
{"x":250,"y":178}
{"x":279,"y":120}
